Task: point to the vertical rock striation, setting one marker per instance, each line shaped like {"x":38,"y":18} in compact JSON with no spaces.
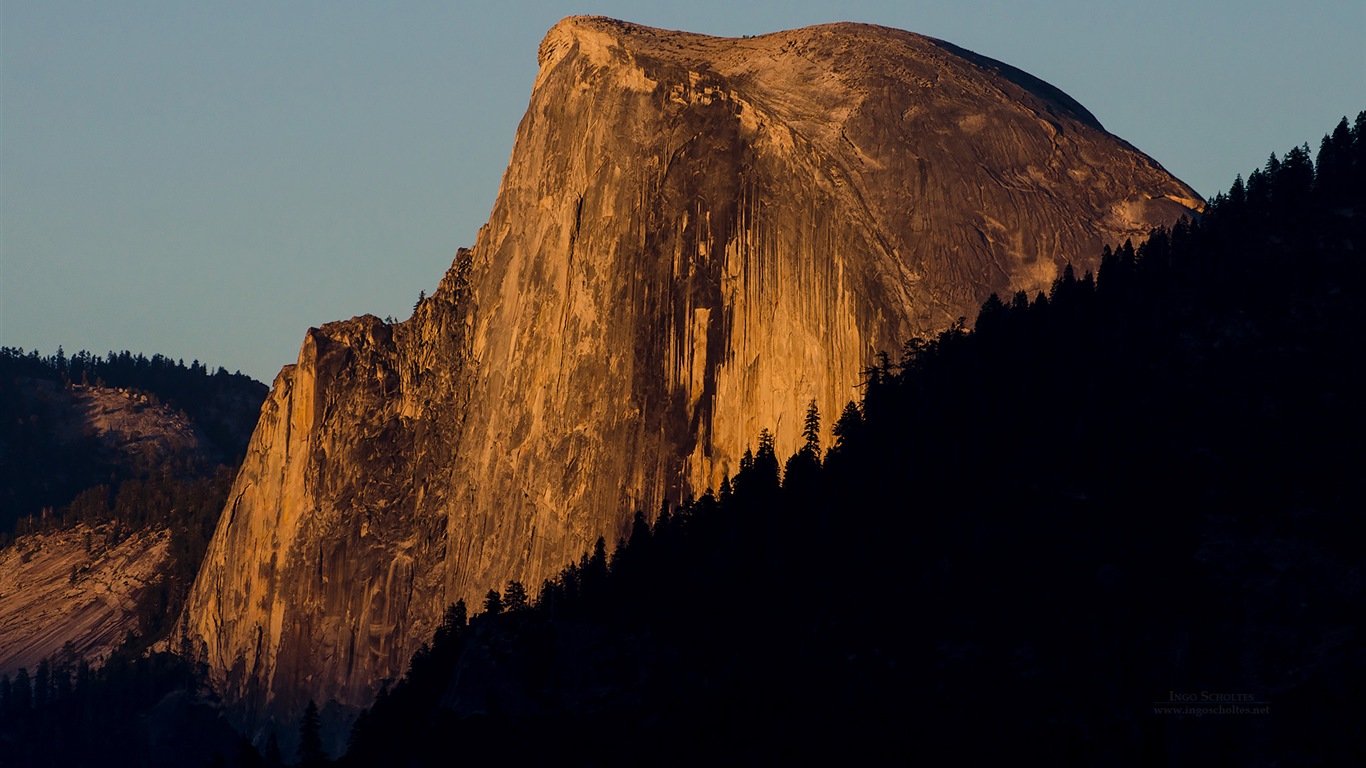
{"x":695,"y":237}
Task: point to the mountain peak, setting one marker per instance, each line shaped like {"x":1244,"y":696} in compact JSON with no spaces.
{"x":842,"y":47}
{"x":695,"y":238}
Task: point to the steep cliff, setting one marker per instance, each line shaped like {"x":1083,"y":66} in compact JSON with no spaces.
{"x":695,"y":237}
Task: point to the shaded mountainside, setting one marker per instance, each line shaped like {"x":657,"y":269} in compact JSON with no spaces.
{"x":695,"y":237}
{"x":113,"y":472}
{"x":1116,"y":524}
{"x":68,"y":424}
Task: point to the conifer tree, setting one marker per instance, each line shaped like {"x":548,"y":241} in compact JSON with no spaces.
{"x":766,"y":462}
{"x":21,"y":693}
{"x":452,"y":622}
{"x":515,"y":597}
{"x":848,"y":425}
{"x":811,"y":430}
{"x":493,"y":603}
{"x":310,"y":738}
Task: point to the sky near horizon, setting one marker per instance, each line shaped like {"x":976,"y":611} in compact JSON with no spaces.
{"x":209,"y":180}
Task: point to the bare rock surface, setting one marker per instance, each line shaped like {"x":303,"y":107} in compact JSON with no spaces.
{"x":143,"y":433}
{"x":78,"y":586}
{"x":695,"y":237}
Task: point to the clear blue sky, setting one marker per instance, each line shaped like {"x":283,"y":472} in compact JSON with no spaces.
{"x":208,"y":180}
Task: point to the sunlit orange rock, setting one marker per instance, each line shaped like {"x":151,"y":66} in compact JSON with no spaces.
{"x":694,"y":238}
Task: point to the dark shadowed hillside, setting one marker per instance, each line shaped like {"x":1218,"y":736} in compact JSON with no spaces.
{"x":72,"y":423}
{"x":113,"y":471}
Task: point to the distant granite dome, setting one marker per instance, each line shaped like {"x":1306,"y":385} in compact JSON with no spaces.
{"x":695,"y":237}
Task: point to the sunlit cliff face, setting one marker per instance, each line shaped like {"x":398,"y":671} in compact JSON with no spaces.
{"x":695,"y":237}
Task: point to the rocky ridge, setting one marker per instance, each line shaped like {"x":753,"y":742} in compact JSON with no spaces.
{"x":694,"y":238}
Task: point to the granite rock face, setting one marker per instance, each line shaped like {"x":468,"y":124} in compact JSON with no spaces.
{"x":74,"y":590}
{"x":694,"y":238}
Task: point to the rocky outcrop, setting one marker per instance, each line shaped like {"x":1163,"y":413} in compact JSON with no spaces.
{"x":694,"y":238}
{"x":145,"y":435}
{"x":71,"y":594}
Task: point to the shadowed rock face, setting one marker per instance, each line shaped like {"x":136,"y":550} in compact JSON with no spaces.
{"x":695,"y":237}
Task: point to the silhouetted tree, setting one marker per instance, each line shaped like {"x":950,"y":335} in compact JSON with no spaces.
{"x":515,"y":597}
{"x":21,"y":692}
{"x":847,"y":428}
{"x":766,"y":462}
{"x":310,"y":738}
{"x":991,"y":313}
{"x":453,"y":622}
{"x":493,"y":602}
{"x":811,"y":430}
{"x":802,"y":471}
